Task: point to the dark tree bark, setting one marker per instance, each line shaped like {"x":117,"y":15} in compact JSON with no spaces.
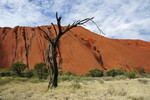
{"x":53,"y":47}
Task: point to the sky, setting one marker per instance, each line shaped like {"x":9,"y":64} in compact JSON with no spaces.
{"x":119,"y":19}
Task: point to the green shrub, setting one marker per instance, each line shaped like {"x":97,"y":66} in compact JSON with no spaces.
{"x":120,"y":71}
{"x":68,"y":73}
{"x":28,"y":73}
{"x":5,"y":72}
{"x":131,"y":74}
{"x":60,"y":72}
{"x":41,"y":71}
{"x":95,"y":73}
{"x":115,"y":72}
{"x":141,"y":71}
{"x":111,"y":72}
{"x":18,"y":68}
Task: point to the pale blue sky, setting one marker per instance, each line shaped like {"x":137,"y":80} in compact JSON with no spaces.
{"x":122,"y":19}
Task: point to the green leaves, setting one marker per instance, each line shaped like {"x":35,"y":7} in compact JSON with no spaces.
{"x":18,"y":68}
{"x":95,"y":73}
{"x":40,"y":70}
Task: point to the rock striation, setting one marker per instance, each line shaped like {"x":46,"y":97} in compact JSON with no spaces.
{"x":81,"y":50}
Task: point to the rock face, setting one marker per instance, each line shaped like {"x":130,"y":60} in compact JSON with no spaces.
{"x":81,"y":50}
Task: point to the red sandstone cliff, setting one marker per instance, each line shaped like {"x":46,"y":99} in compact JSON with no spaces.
{"x":81,"y":50}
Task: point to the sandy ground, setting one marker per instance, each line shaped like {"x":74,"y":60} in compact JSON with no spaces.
{"x":135,"y":89}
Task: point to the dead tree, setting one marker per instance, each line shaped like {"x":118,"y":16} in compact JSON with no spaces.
{"x":53,"y":48}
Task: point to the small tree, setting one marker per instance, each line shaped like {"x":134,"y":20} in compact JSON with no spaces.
{"x":41,"y":70}
{"x":111,"y":72}
{"x":95,"y":73}
{"x":131,"y":74}
{"x":18,"y":68}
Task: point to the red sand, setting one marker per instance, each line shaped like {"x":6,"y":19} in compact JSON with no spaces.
{"x":81,"y":50}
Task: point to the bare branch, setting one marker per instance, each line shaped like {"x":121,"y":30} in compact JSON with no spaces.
{"x":84,"y":21}
{"x":59,"y":23}
{"x":46,"y":35}
{"x":49,"y":33}
{"x":54,"y":29}
{"x":98,"y":28}
{"x":77,"y":23}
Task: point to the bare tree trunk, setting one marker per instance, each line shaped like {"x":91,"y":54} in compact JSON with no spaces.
{"x":55,"y":71}
{"x":53,"y":68}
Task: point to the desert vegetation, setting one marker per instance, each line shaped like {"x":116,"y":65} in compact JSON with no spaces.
{"x":114,"y":84}
{"x":41,"y":71}
{"x":18,"y":68}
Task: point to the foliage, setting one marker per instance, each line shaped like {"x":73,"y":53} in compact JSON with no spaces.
{"x":60,"y":72}
{"x":95,"y":73}
{"x":28,"y":73}
{"x":18,"y":68}
{"x":131,"y":74}
{"x":5,"y":72}
{"x":120,"y":71}
{"x":141,"y":71}
{"x":68,"y":73}
{"x":41,"y":71}
{"x":115,"y":72}
{"x":111,"y":72}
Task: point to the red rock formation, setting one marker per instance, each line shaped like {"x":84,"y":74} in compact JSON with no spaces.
{"x":81,"y":50}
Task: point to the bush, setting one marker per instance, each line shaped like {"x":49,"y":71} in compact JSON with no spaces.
{"x":28,"y":73}
{"x":68,"y":73}
{"x":95,"y":73}
{"x":5,"y":72}
{"x":18,"y":68}
{"x":111,"y":72}
{"x":60,"y":72}
{"x":131,"y":74}
{"x":141,"y":71}
{"x":115,"y":72}
{"x":120,"y":71}
{"x":41,"y":71}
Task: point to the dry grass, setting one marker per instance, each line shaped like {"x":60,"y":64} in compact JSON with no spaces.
{"x":96,"y":89}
